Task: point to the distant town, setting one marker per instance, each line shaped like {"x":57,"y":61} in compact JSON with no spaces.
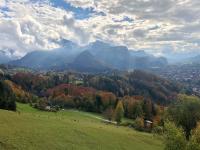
{"x":188,"y":75}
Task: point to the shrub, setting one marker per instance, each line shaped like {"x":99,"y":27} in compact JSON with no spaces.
{"x":108,"y":113}
{"x":139,"y":124}
{"x":158,"y":130}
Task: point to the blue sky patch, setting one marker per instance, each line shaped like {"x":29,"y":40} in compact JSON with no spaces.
{"x":80,"y":13}
{"x":4,"y":11}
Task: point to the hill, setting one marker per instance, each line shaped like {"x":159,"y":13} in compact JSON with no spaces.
{"x":138,"y":82}
{"x":32,"y":129}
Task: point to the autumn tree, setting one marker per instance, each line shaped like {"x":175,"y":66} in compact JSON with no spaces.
{"x":119,"y":112}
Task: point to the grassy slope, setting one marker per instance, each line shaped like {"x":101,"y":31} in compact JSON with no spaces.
{"x":67,"y":130}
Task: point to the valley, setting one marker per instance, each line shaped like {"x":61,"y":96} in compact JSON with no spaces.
{"x":99,"y":75}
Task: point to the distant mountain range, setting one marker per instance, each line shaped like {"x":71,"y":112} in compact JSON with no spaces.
{"x":95,"y":57}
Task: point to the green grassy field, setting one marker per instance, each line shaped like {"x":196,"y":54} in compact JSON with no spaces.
{"x":67,"y":130}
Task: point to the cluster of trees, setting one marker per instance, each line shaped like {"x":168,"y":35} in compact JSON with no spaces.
{"x":19,"y":94}
{"x":175,"y":138}
{"x":185,"y":112}
{"x":183,"y":130}
{"x":38,"y":83}
{"x":138,"y":82}
{"x":150,"y":86}
{"x":7,"y":97}
{"x":138,"y":106}
{"x":34,"y":83}
{"x":89,"y":99}
{"x":138,"y":109}
{"x":79,"y":97}
{"x":61,"y":91}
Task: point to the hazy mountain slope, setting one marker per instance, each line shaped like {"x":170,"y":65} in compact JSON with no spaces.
{"x":49,"y":59}
{"x":85,"y":62}
{"x":194,"y":60}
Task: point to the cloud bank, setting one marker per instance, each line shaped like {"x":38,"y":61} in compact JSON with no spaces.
{"x":157,"y":26}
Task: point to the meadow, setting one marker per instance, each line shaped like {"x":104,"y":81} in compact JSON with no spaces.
{"x":30,"y":129}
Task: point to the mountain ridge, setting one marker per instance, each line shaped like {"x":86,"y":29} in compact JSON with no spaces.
{"x":99,"y":55}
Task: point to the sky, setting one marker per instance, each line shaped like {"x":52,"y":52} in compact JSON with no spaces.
{"x":156,"y":26}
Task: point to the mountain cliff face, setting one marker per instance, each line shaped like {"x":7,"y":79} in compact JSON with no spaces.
{"x":119,"y":57}
{"x":95,"y":57}
{"x":116,"y":57}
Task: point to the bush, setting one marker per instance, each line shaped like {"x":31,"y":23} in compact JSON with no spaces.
{"x":108,"y":113}
{"x":158,"y":130}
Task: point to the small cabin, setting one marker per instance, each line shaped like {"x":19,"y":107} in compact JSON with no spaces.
{"x":48,"y":108}
{"x":148,"y":124}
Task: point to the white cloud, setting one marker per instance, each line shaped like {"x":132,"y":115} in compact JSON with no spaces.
{"x":82,"y":3}
{"x":156,"y":22}
{"x":153,"y":25}
{"x":30,"y":26}
{"x":2,"y":3}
